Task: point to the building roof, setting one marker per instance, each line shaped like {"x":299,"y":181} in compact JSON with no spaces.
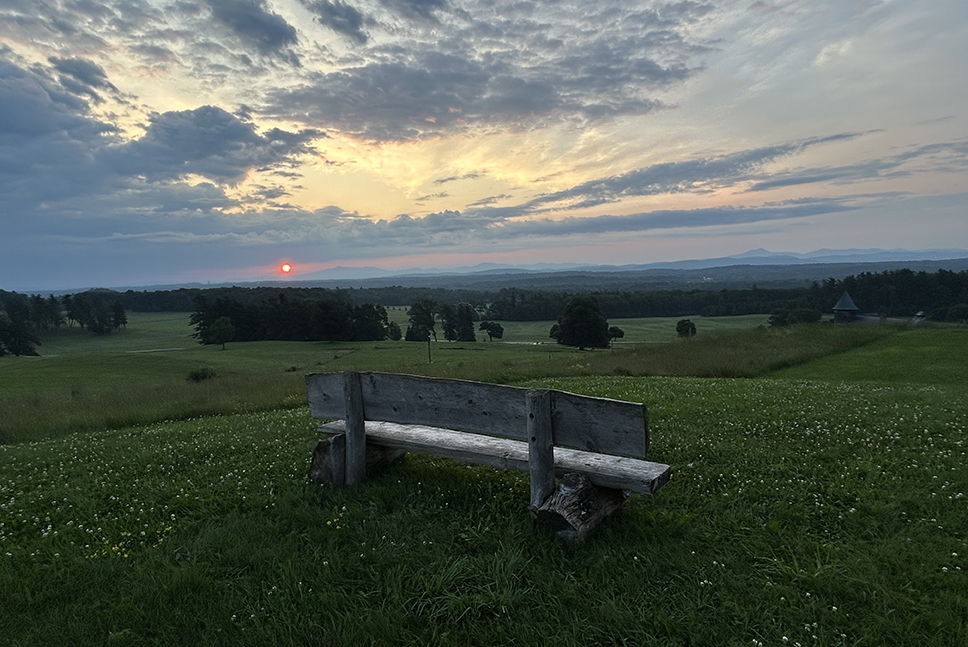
{"x":846,"y":304}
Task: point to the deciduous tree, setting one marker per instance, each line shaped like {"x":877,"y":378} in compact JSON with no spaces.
{"x":582,"y":324}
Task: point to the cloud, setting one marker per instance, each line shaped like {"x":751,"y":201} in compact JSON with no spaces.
{"x":489,"y":200}
{"x":455,"y":178}
{"x":418,"y":9}
{"x":206,"y":141}
{"x":60,"y":165}
{"x":492,"y":66}
{"x":438,"y":93}
{"x":82,"y":77}
{"x":341,"y":18}
{"x":950,"y":157}
{"x":47,"y":140}
{"x":268,"y":32}
{"x":694,"y":175}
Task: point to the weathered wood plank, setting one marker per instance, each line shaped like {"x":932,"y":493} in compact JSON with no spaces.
{"x":355,"y":429}
{"x":600,"y":425}
{"x":579,"y":422}
{"x":541,"y":447}
{"x":446,"y":443}
{"x":606,"y":471}
{"x":325,"y":392}
{"x":453,"y":404}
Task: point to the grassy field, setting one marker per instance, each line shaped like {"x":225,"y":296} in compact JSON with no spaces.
{"x":821,"y":503}
{"x":84,"y":382}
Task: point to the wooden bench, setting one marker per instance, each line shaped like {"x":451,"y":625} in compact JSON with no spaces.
{"x":598,"y":446}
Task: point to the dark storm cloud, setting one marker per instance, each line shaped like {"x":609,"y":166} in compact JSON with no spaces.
{"x":254,"y":24}
{"x":340,"y":17}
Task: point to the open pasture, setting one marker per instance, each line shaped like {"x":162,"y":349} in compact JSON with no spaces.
{"x":823,"y":504}
{"x":87,"y":382}
{"x":801,"y":512}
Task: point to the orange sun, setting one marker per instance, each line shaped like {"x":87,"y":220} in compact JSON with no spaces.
{"x":286,"y":268}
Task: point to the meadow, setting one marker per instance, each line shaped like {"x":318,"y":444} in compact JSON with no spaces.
{"x":83,"y":382}
{"x":818,"y":498}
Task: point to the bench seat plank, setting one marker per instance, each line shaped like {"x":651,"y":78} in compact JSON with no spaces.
{"x":618,"y":472}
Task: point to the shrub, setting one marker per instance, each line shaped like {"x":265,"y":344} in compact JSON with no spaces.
{"x":201,"y":374}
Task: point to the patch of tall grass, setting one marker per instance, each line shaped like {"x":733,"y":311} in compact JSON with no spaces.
{"x":737,"y":353}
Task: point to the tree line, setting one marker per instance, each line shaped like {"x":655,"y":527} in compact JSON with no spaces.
{"x":895,"y":293}
{"x":280,"y":318}
{"x":24,"y":319}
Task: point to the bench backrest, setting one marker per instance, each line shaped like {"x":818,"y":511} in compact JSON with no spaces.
{"x":578,"y":422}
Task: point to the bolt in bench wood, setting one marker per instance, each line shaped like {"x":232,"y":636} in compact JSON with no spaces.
{"x":598,"y":446}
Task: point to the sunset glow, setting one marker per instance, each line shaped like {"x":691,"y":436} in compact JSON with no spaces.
{"x":183,"y":139}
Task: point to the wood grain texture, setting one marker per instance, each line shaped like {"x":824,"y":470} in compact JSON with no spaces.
{"x":325,"y":392}
{"x":607,"y":471}
{"x":355,"y":429}
{"x":541,"y":448}
{"x":578,"y":422}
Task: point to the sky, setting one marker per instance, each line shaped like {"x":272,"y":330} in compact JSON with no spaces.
{"x":148,"y":142}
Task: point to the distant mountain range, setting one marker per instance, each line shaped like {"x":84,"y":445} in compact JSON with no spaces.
{"x":752,"y":257}
{"x":758,"y":267}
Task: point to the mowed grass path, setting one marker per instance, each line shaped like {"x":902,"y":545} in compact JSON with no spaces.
{"x":803,"y":510}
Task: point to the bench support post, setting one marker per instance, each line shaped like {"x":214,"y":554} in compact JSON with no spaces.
{"x":355,"y":429}
{"x":541,"y":449}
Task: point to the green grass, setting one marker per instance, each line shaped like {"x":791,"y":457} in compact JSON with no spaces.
{"x":87,"y":382}
{"x":821,"y":503}
{"x":941,"y":358}
{"x":822,"y":513}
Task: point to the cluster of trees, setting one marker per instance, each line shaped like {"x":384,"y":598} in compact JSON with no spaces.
{"x":25,"y":319}
{"x":896,"y":293}
{"x":583,"y":324}
{"x":282,"y":319}
{"x":99,"y":311}
{"x":457,"y":321}
{"x":901,"y":293}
